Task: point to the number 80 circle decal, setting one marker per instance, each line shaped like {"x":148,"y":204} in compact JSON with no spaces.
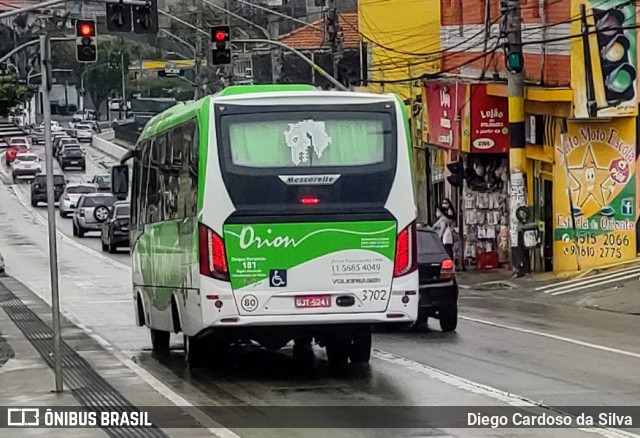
{"x":249,"y":303}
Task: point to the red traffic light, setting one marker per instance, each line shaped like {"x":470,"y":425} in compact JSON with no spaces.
{"x":85,"y":28}
{"x":220,"y":35}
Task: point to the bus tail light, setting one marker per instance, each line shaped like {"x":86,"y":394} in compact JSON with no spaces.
{"x":213,"y":257}
{"x":406,"y":260}
{"x":309,"y":200}
{"x":446,"y":269}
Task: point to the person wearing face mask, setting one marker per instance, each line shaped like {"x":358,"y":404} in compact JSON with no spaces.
{"x":444,"y":227}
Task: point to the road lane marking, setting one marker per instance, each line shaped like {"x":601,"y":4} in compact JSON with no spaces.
{"x":555,"y":337}
{"x":603,"y":276}
{"x":487,"y":391}
{"x":589,"y":286}
{"x":593,"y":282}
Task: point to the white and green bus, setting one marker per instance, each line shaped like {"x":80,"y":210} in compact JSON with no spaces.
{"x":271,"y":214}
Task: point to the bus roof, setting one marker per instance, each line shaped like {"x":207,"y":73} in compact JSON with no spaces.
{"x":249,"y":94}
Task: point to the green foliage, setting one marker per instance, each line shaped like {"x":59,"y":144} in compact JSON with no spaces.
{"x":151,"y":86}
{"x":11,"y":94}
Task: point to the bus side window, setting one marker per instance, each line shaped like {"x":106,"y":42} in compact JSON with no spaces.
{"x":191,"y":153}
{"x":144,"y":183}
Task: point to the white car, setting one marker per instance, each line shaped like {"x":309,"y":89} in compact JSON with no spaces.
{"x":83,"y":132}
{"x":71,"y":195}
{"x":25,"y":164}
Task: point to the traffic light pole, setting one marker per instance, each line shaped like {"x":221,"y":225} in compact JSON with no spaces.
{"x":45,"y":63}
{"x":517,"y":143}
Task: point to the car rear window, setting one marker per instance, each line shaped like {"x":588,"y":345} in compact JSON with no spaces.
{"x":429,"y":243}
{"x":26,"y":158}
{"x":81,"y":189}
{"x":103,"y":179}
{"x":59,"y":180}
{"x":122,"y":211}
{"x":72,"y":152}
{"x":98,"y":200}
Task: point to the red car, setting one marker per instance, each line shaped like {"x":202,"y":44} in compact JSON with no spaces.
{"x":16,"y":145}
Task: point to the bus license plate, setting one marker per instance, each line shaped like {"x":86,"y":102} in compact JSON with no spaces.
{"x":314,"y":301}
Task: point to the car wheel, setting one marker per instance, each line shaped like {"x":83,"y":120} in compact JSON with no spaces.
{"x":100,"y":213}
{"x":13,"y":177}
{"x":80,"y":231}
{"x":113,"y":248}
{"x":105,"y":247}
{"x":448,"y":319}
{"x":34,"y":203}
{"x":84,"y":168}
{"x":75,"y":230}
{"x":160,"y":340}
{"x":62,"y":213}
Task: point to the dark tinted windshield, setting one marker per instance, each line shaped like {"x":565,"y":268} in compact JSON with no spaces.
{"x":122,"y":211}
{"x":429,"y":243}
{"x":72,"y":152}
{"x":94,"y":201}
{"x":81,"y":189}
{"x":59,"y":180}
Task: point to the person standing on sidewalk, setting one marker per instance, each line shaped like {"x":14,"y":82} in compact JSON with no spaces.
{"x":444,"y":227}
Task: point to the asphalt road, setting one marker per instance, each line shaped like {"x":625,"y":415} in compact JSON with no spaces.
{"x":508,"y":349}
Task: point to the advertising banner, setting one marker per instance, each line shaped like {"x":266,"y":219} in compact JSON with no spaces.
{"x":489,"y":130}
{"x":604,"y":58}
{"x":444,"y":104}
{"x":597,"y":186}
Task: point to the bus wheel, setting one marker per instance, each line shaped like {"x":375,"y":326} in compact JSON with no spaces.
{"x":338,"y":351}
{"x":194,"y":352}
{"x":361,"y":346}
{"x":160,"y":341}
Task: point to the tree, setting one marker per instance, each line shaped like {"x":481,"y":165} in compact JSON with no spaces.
{"x":11,"y":94}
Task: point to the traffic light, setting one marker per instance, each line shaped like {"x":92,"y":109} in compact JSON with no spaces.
{"x":145,"y":18}
{"x":515,"y":58}
{"x":456,"y":179}
{"x":86,"y":46}
{"x":220,"y":45}
{"x":118,"y":17}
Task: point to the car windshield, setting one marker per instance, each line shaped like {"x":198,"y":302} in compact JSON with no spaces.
{"x":81,"y":189}
{"x":94,"y":201}
{"x":83,"y":127}
{"x":122,"y":211}
{"x":26,"y":158}
{"x":429,"y":243}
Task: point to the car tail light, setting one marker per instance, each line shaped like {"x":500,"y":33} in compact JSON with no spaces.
{"x":406,"y":259}
{"x":213,"y":257}
{"x":447,"y":269}
{"x":81,"y":212}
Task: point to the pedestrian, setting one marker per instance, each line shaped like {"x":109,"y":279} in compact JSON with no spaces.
{"x":444,"y":227}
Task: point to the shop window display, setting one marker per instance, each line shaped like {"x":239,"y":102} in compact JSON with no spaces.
{"x":485,"y":205}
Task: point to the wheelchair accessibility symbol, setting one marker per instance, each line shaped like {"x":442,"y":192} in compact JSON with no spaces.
{"x":278,"y":278}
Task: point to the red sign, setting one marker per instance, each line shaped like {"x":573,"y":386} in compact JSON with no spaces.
{"x":489,"y":121}
{"x":444,"y":106}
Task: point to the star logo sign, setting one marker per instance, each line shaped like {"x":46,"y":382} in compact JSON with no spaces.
{"x":591,"y":181}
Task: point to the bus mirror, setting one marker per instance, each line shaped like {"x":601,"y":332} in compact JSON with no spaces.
{"x":120,"y":181}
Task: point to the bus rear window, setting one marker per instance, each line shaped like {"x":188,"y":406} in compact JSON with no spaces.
{"x":296,"y":140}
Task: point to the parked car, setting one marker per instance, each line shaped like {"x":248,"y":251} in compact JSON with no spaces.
{"x":39,"y":188}
{"x":25,"y":164}
{"x":15,"y":146}
{"x":59,"y":140}
{"x":91,"y":212}
{"x":71,"y":195}
{"x":438,"y":285}
{"x":37,"y":136}
{"x":103,"y":181}
{"x":84,"y":132}
{"x":71,"y":155}
{"x":115,"y":230}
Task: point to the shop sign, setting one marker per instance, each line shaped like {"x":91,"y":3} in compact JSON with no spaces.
{"x":604,"y":65}
{"x":600,"y":175}
{"x":489,"y":121}
{"x":444,"y":104}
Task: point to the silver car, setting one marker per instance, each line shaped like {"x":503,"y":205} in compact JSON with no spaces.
{"x":84,"y":132}
{"x":71,"y":195}
{"x":92,"y":210}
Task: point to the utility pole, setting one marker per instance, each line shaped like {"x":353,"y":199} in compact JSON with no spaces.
{"x":276,"y":56}
{"x":198,"y":55}
{"x":517,"y":155}
{"x":334,"y":35}
{"x":45,"y":60}
{"x":124,"y":85}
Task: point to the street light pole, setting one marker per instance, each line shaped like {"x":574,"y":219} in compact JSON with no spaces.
{"x":124,"y":84}
{"x":45,"y":60}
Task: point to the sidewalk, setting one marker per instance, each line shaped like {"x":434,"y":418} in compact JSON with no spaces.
{"x":92,"y":375}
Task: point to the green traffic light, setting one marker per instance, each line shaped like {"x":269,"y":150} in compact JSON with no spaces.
{"x":515,"y":62}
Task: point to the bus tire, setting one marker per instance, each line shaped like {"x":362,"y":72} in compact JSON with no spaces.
{"x":360,"y":352}
{"x":160,"y":341}
{"x":338,"y":351}
{"x":194,"y":352}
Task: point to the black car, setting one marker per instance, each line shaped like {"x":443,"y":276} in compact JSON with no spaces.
{"x":115,"y":230}
{"x":72,"y":156}
{"x":438,"y":285}
{"x":39,"y":188}
{"x":102,"y":181}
